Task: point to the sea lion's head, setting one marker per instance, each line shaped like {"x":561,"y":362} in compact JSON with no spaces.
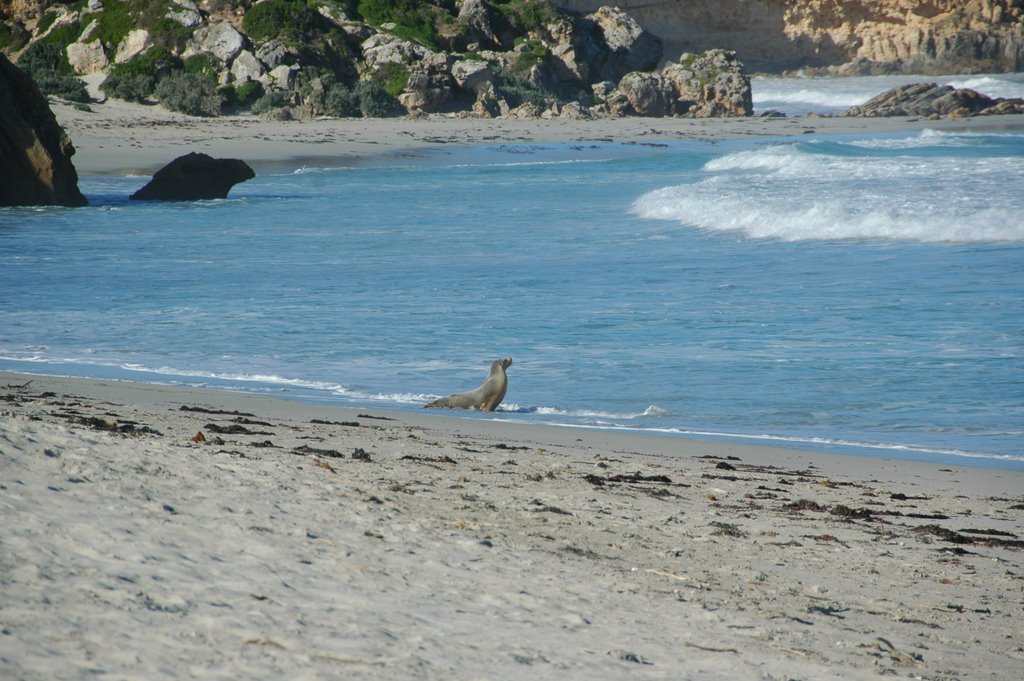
{"x":504,"y":363}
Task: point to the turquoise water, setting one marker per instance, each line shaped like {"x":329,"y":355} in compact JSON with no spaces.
{"x":858,"y":295}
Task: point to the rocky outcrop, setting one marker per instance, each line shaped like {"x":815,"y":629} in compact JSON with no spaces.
{"x":35,"y":152}
{"x":195,"y":177}
{"x":869,"y":36}
{"x":709,"y":84}
{"x":930,"y":99}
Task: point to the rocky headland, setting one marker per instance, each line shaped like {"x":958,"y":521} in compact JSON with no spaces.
{"x":841,"y":38}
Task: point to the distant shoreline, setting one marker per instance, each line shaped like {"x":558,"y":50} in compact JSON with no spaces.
{"x":116,"y":137}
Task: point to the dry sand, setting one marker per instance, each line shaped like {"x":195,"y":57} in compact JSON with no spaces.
{"x":298,"y":541}
{"x":119,"y":137}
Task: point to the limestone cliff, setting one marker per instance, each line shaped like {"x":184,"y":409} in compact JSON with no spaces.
{"x":35,"y":153}
{"x":841,"y":36}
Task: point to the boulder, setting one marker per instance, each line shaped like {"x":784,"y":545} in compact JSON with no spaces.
{"x":643,"y":94}
{"x":87,"y":58}
{"x":194,"y":177}
{"x":710,"y":84}
{"x":35,"y":152}
{"x":931,"y":99}
{"x":133,"y":44}
{"x":472,"y":75}
{"x":612,"y":44}
{"x":219,"y":39}
{"x":246,"y":67}
{"x":185,"y":13}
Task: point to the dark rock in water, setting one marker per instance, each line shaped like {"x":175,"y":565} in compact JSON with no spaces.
{"x":931,"y":99}
{"x":194,"y":177}
{"x":35,"y":152}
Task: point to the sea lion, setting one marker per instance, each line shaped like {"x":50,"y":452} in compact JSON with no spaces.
{"x":487,"y":397}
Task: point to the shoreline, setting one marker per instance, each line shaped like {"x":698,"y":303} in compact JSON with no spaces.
{"x":123,"y":138}
{"x":303,"y":539}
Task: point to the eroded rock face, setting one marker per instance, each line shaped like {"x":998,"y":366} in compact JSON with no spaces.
{"x":713,"y":84}
{"x":195,"y":177}
{"x":35,"y":152}
{"x":931,"y":99}
{"x":868,"y":36}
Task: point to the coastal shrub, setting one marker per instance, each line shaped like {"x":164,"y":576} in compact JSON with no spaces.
{"x":341,"y":102}
{"x":189,"y":93}
{"x":46,"y":22}
{"x":289,"y":19}
{"x":524,"y":16}
{"x":414,"y":20}
{"x":114,"y":22}
{"x":242,"y":96}
{"x":131,"y":87}
{"x":536,"y":53}
{"x":47,"y":65}
{"x":396,"y":78}
{"x":12,"y":38}
{"x":271,"y":101}
{"x":511,"y":87}
{"x":203,"y":65}
{"x":136,"y":79}
{"x":170,"y":34}
{"x":374,"y":100}
{"x":63,"y":35}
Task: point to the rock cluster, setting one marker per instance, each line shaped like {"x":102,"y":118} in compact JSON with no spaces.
{"x":35,"y":153}
{"x":931,"y":99}
{"x":602,"y":63}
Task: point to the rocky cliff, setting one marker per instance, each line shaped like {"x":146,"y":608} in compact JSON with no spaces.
{"x":840,"y":36}
{"x":35,"y":153}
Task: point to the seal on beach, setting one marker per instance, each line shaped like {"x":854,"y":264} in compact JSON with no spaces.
{"x":486,"y":397}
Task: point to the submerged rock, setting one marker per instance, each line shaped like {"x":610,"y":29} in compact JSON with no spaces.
{"x":35,"y":152}
{"x":931,"y":99}
{"x":195,"y":177}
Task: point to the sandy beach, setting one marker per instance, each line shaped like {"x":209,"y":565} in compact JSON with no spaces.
{"x":169,"y":532}
{"x":154,"y":531}
{"x":125,"y":138}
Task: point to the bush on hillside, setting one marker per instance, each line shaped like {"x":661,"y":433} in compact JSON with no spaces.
{"x":375,"y":102}
{"x":189,"y":93}
{"x":136,"y":79}
{"x":47,"y":65}
{"x":414,"y":20}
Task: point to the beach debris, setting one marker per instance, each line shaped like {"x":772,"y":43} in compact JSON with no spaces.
{"x":219,"y":412}
{"x":233,"y":429}
{"x":359,"y":454}
{"x":627,"y":656}
{"x":428,"y":459}
{"x":326,"y":466}
{"x":991,"y":538}
{"x":541,"y":507}
{"x":198,"y":437}
{"x":727,"y":530}
{"x":194,"y":177}
{"x":305,"y":450}
{"x":690,"y":644}
{"x":348,"y":424}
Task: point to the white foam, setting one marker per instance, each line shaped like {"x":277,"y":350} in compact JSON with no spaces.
{"x":801,"y":191}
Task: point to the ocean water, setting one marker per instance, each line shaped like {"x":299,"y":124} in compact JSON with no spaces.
{"x":798,"y":96}
{"x":859,"y":294}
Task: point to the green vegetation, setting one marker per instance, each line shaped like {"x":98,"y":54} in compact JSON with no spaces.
{"x":271,"y":101}
{"x":64,"y":35}
{"x":47,"y":65}
{"x":113,"y":23}
{"x":375,"y":102}
{"x":514,"y":89}
{"x":414,"y":20}
{"x":238,"y":97}
{"x":396,"y":78}
{"x":170,"y":34}
{"x":536,"y":53}
{"x":202,"y":65}
{"x":12,"y":38}
{"x":288,"y":19}
{"x":524,"y":16}
{"x":136,"y":79}
{"x":190,"y":93}
{"x":46,"y":22}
